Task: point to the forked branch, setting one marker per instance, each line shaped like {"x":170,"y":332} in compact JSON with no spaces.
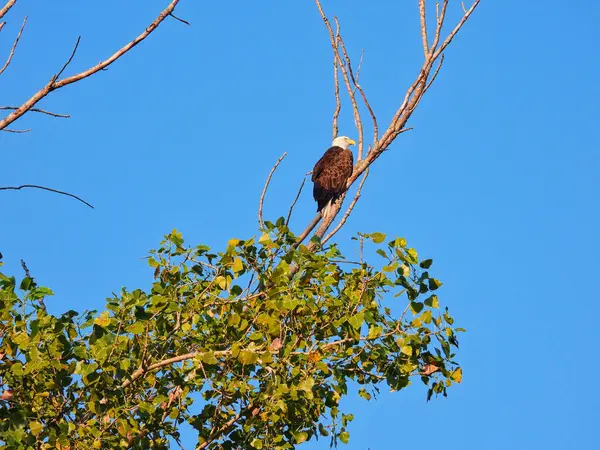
{"x":57,"y":83}
{"x":433,"y":53}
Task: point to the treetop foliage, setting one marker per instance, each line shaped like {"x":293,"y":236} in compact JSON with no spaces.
{"x":253,"y":346}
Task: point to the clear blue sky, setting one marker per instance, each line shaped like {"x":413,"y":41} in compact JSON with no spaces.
{"x":498,"y":182}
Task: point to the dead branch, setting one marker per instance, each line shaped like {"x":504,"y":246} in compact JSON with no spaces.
{"x":2,"y":25}
{"x":261,"y":223}
{"x":35,"y":186}
{"x":9,"y":4}
{"x":42,"y":111}
{"x":336,"y":83}
{"x":55,"y":83}
{"x":423,"y":18}
{"x":294,"y":202}
{"x":349,"y":210}
{"x":341,"y":64}
{"x":14,"y":47}
{"x":8,"y":130}
{"x":415,"y":92}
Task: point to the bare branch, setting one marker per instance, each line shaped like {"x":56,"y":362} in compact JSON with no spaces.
{"x":364,"y":97}
{"x":261,"y":223}
{"x":12,"y":50}
{"x":411,"y":99}
{"x":456,"y":29}
{"x":349,"y":210}
{"x":7,"y":130}
{"x":34,"y":186}
{"x":43,"y":111}
{"x":55,"y":83}
{"x":180,"y":19}
{"x":346,"y":68}
{"x":294,"y":202}
{"x":311,"y":226}
{"x":56,"y":77}
{"x":9,"y":4}
{"x":336,"y":82}
{"x":438,"y":27}
{"x":422,"y":11}
{"x":2,"y":25}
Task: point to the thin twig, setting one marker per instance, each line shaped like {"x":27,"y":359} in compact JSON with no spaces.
{"x":14,"y":47}
{"x":311,"y":226}
{"x":43,"y":111}
{"x":294,"y":202}
{"x":180,"y":19}
{"x":34,"y":186}
{"x":346,"y":68}
{"x":2,"y":25}
{"x":364,"y":97}
{"x":57,"y":76}
{"x":8,"y":130}
{"x":261,"y":223}
{"x":456,"y":29}
{"x":55,"y":84}
{"x":349,"y":210}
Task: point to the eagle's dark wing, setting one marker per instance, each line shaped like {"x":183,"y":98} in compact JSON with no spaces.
{"x":330,"y":175}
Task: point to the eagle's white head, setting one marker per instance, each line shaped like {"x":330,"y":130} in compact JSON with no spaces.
{"x":343,"y":142}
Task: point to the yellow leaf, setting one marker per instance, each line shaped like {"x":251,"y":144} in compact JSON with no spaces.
{"x":237,"y":265}
{"x":456,"y":376}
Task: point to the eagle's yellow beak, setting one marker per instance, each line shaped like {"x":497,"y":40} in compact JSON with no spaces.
{"x":351,"y":142}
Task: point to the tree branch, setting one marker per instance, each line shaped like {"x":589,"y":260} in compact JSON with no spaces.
{"x":12,"y":108}
{"x":423,"y":17}
{"x":14,"y":47}
{"x":295,"y":200}
{"x":34,"y":186}
{"x":55,"y":83}
{"x":411,"y":99}
{"x":9,"y":4}
{"x":261,"y":223}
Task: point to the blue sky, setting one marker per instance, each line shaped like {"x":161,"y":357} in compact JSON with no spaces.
{"x":498,"y":181}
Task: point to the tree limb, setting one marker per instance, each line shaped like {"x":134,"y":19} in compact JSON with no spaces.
{"x":55,"y":83}
{"x":9,"y":4}
{"x":43,"y":111}
{"x":261,"y":223}
{"x":35,"y":186}
{"x":14,"y":47}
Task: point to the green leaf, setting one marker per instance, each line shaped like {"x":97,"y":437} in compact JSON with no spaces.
{"x":357,"y":320}
{"x":264,"y":239}
{"x":426,"y":263}
{"x":300,"y":437}
{"x":364,"y":394}
{"x":136,"y":328}
{"x":434,"y":284}
{"x":35,"y":427}
{"x":344,"y":437}
{"x":416,"y":307}
{"x":248,"y":357}
{"x":209,"y":358}
{"x":257,"y":444}
{"x":432,"y":301}
{"x":407,"y":350}
{"x":413,"y":255}
{"x":377,"y":238}
{"x":237,"y":265}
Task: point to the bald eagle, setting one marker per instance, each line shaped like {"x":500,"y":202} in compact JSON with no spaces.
{"x":332,"y":172}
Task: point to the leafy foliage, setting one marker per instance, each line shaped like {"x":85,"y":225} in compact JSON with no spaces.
{"x":253,"y":346}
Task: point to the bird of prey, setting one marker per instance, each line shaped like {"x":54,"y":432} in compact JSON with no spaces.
{"x":331,"y":173}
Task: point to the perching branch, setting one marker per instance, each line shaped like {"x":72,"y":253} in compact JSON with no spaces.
{"x":261,"y":223}
{"x":413,"y":96}
{"x":56,"y":83}
{"x":34,"y":186}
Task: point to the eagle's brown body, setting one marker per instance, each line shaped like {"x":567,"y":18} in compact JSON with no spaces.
{"x":331,"y":174}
